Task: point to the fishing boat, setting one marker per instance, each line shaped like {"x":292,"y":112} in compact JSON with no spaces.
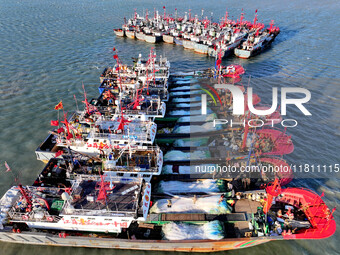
{"x":103,"y":186}
{"x":167,"y":38}
{"x":89,"y":215}
{"x":226,"y":46}
{"x":140,"y":35}
{"x":93,"y":136}
{"x":99,"y":204}
{"x":119,"y":32}
{"x":130,"y":34}
{"x":201,"y":35}
{"x":188,"y":44}
{"x":117,"y":71}
{"x":201,"y":48}
{"x":153,"y":38}
{"x":152,"y":67}
{"x":257,"y":42}
{"x":130,"y":161}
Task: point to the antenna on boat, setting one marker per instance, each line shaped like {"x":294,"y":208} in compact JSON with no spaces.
{"x":85,"y":100}
{"x":75,"y":99}
{"x":255,"y":19}
{"x":8,"y":169}
{"x":273,"y":190}
{"x":115,"y":56}
{"x":164,"y":12}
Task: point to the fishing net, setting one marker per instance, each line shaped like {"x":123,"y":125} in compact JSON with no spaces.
{"x":208,"y":204}
{"x":198,"y":118}
{"x":186,"y":99}
{"x":174,"y":187}
{"x":182,"y":231}
{"x":191,"y":142}
{"x":188,"y":112}
{"x":168,"y":169}
{"x":175,"y":155}
{"x":184,"y":93}
{"x":186,"y":87}
{"x":207,"y":127}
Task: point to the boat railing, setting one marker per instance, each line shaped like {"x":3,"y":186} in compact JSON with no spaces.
{"x":123,"y":136}
{"x":145,"y":111}
{"x":72,"y":143}
{"x":101,"y":212}
{"x":91,"y":177}
{"x":32,"y":216}
{"x":132,"y":169}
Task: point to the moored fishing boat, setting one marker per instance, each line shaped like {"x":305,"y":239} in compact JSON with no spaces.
{"x":119,"y":32}
{"x":108,"y":197}
{"x":257,"y":42}
{"x":250,"y":217}
{"x":151,"y":38}
{"x":201,"y":48}
{"x":188,"y":44}
{"x":130,"y":34}
{"x":140,"y":36}
{"x":168,"y":38}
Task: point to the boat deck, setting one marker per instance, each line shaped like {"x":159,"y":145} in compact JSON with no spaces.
{"x":246,"y":206}
{"x":120,"y":198}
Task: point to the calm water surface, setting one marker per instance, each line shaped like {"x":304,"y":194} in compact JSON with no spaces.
{"x":48,"y":48}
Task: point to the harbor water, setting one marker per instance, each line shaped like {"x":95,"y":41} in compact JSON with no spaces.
{"x":49,"y":48}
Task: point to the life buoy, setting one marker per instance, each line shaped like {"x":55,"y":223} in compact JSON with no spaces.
{"x":25,"y":217}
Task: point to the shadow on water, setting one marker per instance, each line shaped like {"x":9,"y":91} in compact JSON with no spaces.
{"x":286,"y":34}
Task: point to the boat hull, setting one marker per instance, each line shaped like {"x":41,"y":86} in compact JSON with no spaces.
{"x":153,"y":38}
{"x":168,"y":39}
{"x":178,"y":41}
{"x":187,"y":44}
{"x":112,"y":243}
{"x":140,"y":36}
{"x":119,"y":32}
{"x":243,"y":53}
{"x":201,"y":48}
{"x":130,"y":34}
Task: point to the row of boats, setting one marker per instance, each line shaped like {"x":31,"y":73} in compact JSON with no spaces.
{"x":122,"y":172}
{"x":241,"y":37}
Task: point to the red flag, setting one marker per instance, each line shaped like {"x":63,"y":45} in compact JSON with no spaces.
{"x":54,"y":123}
{"x":163,"y":7}
{"x":59,"y":153}
{"x":59,"y":106}
{"x":69,"y":136}
{"x":114,"y":49}
{"x":8,"y":169}
{"x":115,"y":56}
{"x":218,"y":62}
{"x":60,"y":130}
{"x":256,"y":11}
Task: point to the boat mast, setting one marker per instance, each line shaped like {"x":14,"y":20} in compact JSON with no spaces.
{"x":273,"y":190}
